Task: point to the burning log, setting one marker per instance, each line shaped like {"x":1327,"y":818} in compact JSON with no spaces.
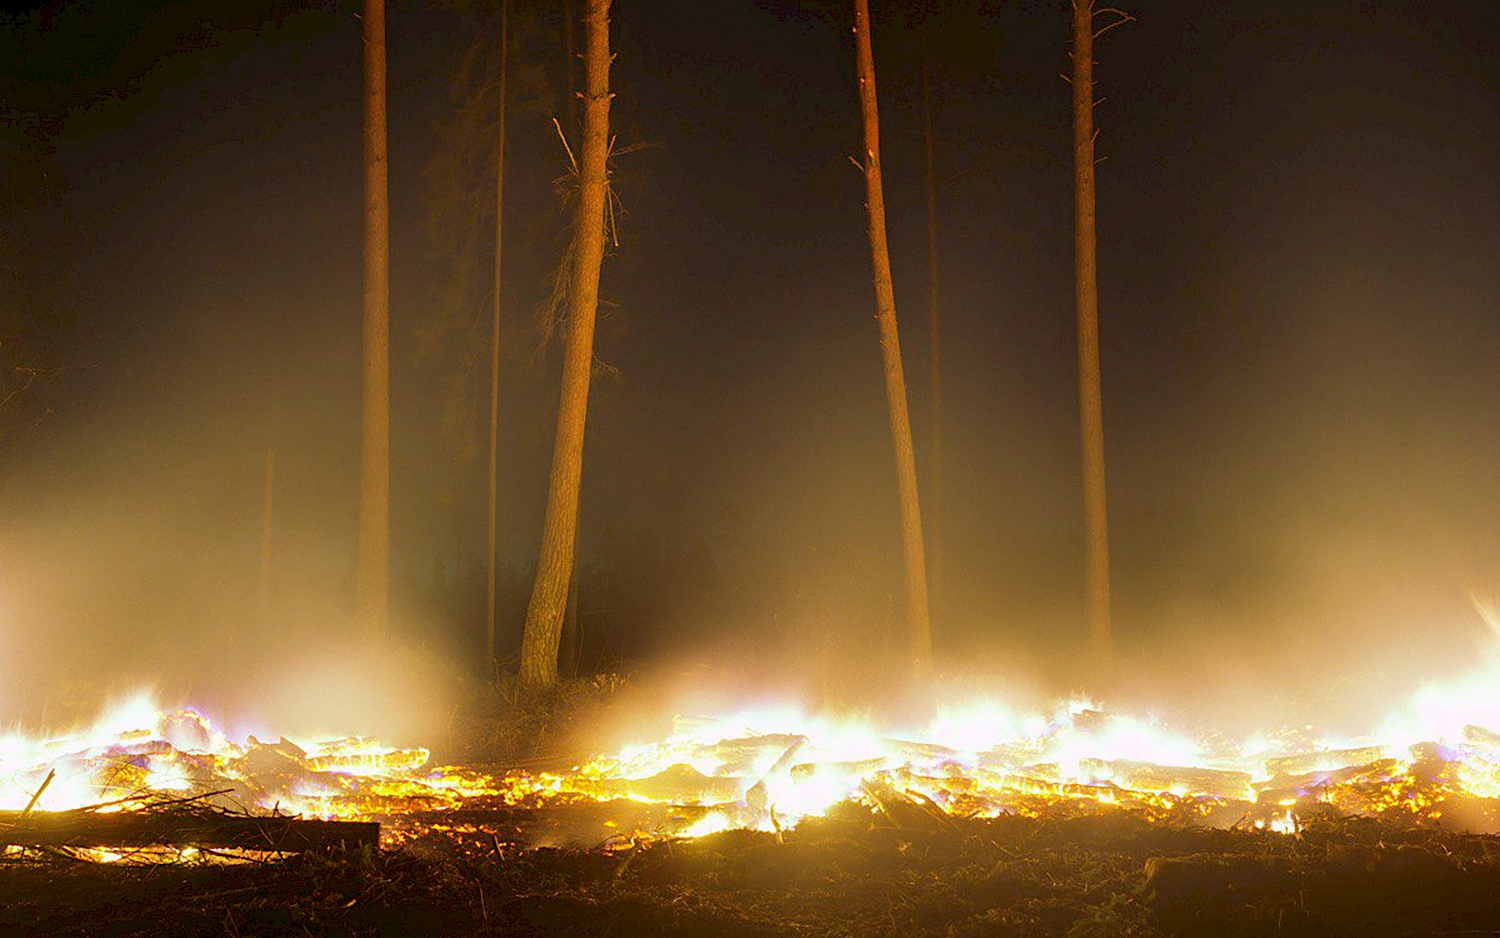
{"x":1289,"y":788}
{"x":803,"y":771}
{"x":758,"y":795}
{"x":930,"y":753}
{"x":738,"y":756}
{"x":680,"y":783}
{"x":181,"y":828}
{"x":1330,"y":760}
{"x":906,"y":810}
{"x":1147,"y":776}
{"x":1482,"y":736}
{"x":270,"y":762}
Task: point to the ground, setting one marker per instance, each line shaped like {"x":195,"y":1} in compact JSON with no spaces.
{"x":850,"y":874}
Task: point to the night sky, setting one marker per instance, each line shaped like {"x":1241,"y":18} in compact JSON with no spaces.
{"x":1299,"y":242}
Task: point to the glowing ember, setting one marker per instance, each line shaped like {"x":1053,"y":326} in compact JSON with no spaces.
{"x":768,"y":769}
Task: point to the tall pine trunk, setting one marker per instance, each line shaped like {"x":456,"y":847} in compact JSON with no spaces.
{"x":919,"y":627}
{"x":549,"y":595}
{"x":372,"y":569}
{"x":934,"y":347}
{"x":492,"y":552}
{"x":568,"y":645}
{"x":1091,"y":408}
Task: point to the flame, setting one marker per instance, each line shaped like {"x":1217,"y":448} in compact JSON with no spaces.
{"x":769,"y":768}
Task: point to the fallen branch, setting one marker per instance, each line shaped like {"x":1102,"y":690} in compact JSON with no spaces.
{"x":182,"y":829}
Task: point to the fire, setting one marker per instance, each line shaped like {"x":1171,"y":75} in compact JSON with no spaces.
{"x":769,"y":768}
{"x":137,"y":750}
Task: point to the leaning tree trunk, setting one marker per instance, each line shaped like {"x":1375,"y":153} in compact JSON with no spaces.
{"x":919,"y":628}
{"x":549,"y":595}
{"x":1096,"y":523}
{"x":492,"y":551}
{"x":372,"y":569}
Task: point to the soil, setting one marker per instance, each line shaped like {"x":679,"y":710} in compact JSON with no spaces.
{"x":852,"y":873}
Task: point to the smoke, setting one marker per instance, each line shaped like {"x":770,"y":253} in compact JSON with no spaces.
{"x":1298,"y":341}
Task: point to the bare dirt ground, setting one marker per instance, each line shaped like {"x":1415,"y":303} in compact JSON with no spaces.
{"x":853,"y":873}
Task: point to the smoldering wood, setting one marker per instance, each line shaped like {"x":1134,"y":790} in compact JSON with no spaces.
{"x":182,"y":829}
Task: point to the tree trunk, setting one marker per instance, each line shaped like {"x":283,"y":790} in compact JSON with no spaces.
{"x":919,"y":629}
{"x":934,"y":358}
{"x":491,"y":554}
{"x":372,"y":571}
{"x":549,"y":595}
{"x":572,"y":650}
{"x":1096,"y":524}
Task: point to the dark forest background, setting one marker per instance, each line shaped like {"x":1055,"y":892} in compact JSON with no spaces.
{"x":1298,"y":216}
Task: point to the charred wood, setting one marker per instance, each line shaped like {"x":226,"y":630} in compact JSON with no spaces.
{"x":182,"y":828}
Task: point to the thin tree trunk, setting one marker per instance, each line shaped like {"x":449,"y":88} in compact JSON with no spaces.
{"x":1091,"y":408}
{"x":491,"y":554}
{"x":549,"y":595}
{"x":934,"y":359}
{"x":919,"y":628}
{"x":372,"y":571}
{"x":567,"y":653}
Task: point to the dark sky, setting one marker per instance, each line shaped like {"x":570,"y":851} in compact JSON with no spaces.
{"x":1299,"y":230}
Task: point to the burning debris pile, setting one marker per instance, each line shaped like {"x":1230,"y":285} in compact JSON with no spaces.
{"x":762,"y":770}
{"x":985,"y":763}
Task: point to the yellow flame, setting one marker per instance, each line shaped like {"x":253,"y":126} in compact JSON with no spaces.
{"x":768,"y":768}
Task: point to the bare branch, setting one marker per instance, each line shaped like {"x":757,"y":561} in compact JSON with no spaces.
{"x":605,"y":369}
{"x":636,"y":147}
{"x":564,"y":138}
{"x":31,"y":374}
{"x":1121,"y":18}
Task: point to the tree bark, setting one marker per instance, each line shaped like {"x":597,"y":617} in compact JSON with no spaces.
{"x":570,"y":649}
{"x":549,"y":595}
{"x":372,"y":569}
{"x":934,"y":346}
{"x":492,"y":551}
{"x":1091,"y":408}
{"x":919,"y":628}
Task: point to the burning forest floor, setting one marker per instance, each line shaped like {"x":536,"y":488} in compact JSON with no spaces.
{"x":769,"y":822}
{"x":853,"y":872}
